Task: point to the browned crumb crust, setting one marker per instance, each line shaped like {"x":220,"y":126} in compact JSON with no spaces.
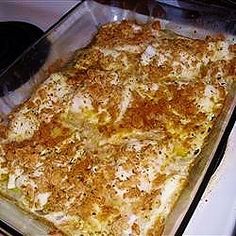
{"x":85,"y":159}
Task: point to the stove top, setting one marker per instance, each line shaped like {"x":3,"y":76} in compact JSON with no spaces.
{"x":15,"y":38}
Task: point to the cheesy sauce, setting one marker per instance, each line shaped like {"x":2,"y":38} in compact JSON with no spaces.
{"x":105,"y":146}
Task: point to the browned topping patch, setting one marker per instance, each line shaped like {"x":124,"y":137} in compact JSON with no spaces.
{"x":139,"y":105}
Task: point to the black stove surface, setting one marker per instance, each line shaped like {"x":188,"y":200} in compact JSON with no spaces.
{"x":15,"y":38}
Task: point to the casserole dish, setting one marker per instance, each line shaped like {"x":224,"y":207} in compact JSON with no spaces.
{"x":67,"y":32}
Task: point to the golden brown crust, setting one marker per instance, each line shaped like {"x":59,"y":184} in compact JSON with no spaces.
{"x":97,"y":146}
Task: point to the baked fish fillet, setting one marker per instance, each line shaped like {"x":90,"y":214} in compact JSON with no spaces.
{"x":105,"y":146}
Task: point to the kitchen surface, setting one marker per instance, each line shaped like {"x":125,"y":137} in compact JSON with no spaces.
{"x":216,"y":211}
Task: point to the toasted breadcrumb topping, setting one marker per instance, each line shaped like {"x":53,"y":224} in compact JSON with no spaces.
{"x":105,"y":146}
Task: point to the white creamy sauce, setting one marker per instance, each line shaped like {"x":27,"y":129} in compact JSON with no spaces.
{"x":148,"y":55}
{"x":188,"y":71}
{"x":109,"y":52}
{"x":129,"y":48}
{"x":210,"y":91}
{"x":221,"y":50}
{"x":154,"y":87}
{"x":81,"y":102}
{"x":70,"y":202}
{"x":135,"y":144}
{"x":162,"y":57}
{"x":136,"y":28}
{"x":115,"y":79}
{"x":42,"y":198}
{"x":131,"y":219}
{"x":12,"y":178}
{"x":207,"y":103}
{"x":122,"y":174}
{"x":125,"y":100}
{"x":144,"y":184}
{"x":186,"y":58}
{"x":152,"y":170}
{"x":22,"y":127}
{"x":26,"y":122}
{"x":57,"y":217}
{"x":56,"y":88}
{"x":205,"y":59}
{"x":168,"y":192}
{"x":3,"y":171}
{"x":170,"y":187}
{"x":38,"y":172}
{"x":21,"y":180}
{"x":59,"y":87}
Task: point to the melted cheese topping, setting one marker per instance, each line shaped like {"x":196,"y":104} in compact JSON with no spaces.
{"x":105,"y":146}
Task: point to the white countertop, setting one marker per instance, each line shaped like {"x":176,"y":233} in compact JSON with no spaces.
{"x":216,"y":212}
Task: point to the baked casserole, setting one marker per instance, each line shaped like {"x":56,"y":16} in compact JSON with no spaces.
{"x":105,"y":146}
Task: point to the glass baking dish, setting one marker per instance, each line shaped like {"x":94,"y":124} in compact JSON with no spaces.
{"x":75,"y":30}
